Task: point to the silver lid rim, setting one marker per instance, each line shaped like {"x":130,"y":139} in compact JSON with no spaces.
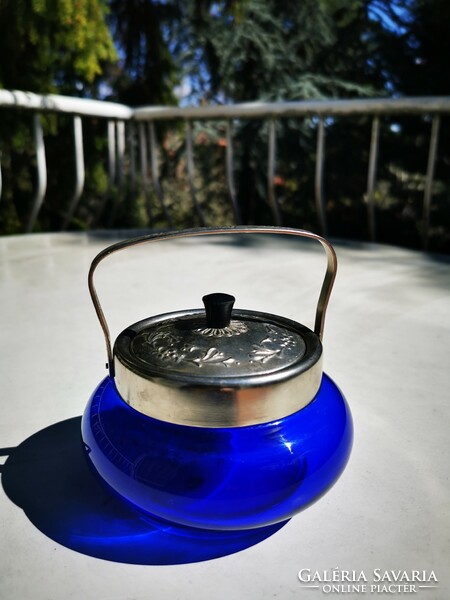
{"x":122,"y":349}
{"x":217,"y":407}
{"x":201,"y":401}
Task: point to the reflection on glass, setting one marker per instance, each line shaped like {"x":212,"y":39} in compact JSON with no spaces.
{"x":219,"y":479}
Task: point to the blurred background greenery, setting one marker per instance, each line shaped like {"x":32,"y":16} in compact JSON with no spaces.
{"x":191,"y":52}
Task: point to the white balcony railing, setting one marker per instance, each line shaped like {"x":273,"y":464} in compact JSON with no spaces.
{"x":118,"y":115}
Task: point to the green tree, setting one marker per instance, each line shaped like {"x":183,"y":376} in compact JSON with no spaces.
{"x":147,"y":73}
{"x":410,"y":45}
{"x":236,"y":51}
{"x":267,"y":50}
{"x":48,"y":46}
{"x":54,"y":45}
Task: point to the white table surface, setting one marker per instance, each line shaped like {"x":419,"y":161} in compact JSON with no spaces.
{"x":386,"y":345}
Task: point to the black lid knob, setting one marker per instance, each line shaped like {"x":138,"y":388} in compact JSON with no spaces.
{"x":218,"y":309}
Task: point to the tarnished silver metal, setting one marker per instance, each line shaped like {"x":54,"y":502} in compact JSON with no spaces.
{"x":215,"y":406}
{"x":186,"y":368}
{"x":259,"y":368}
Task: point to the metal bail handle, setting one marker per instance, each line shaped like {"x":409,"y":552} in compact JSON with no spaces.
{"x":325,"y":291}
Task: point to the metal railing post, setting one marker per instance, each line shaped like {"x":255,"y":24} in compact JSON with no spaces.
{"x":120,"y":131}
{"x":155,"y":178}
{"x":41,"y":165}
{"x":271,"y":160}
{"x":428,"y":192}
{"x":131,"y":144}
{"x":116,"y":115}
{"x":117,"y":162}
{"x":144,"y":170}
{"x":371,"y":176}
{"x":190,"y":172}
{"x":79,"y":171}
{"x":230,"y":174}
{"x":320,"y":153}
{"x":111,"y":137}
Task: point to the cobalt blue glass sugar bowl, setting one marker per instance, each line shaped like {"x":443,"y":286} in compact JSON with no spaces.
{"x":218,"y":418}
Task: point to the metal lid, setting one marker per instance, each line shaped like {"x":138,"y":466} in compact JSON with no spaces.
{"x":218,"y":367}
{"x":194,"y":345}
{"x":171,"y":367}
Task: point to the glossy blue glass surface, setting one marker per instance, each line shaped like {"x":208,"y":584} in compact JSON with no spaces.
{"x":49,"y":476}
{"x":226,"y":478}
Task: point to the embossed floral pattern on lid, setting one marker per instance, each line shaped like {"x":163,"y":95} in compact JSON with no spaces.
{"x":242,"y":348}
{"x":234,"y":328}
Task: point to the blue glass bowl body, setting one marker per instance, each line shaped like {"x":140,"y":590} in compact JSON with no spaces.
{"x":219,"y":478}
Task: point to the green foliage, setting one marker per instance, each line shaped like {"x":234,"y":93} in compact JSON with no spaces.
{"x":264,"y":49}
{"x":47,"y":46}
{"x":148,"y":73}
{"x":53,"y":45}
{"x":224,"y":52}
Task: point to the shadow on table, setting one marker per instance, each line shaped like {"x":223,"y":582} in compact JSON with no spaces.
{"x":49,"y":477}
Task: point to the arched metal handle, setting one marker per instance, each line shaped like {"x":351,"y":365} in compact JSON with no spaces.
{"x":325,"y":292}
